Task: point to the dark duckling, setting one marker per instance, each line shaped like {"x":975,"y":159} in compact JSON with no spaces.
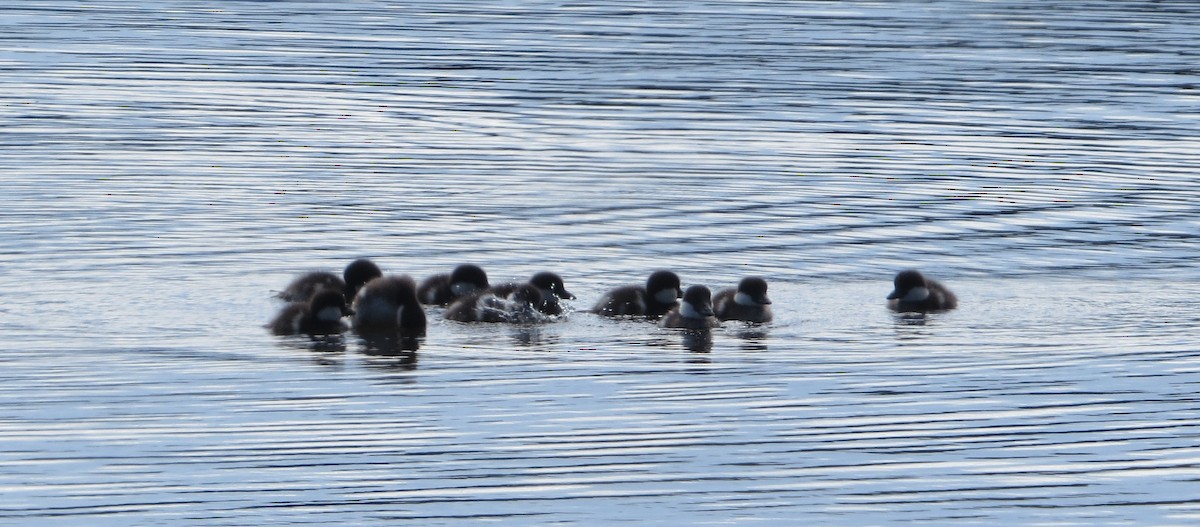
{"x":915,"y":293}
{"x":518,"y":307}
{"x":442,"y":289}
{"x":390,"y":303}
{"x":694,"y":312}
{"x":552,"y":289}
{"x":320,"y":315}
{"x":659,"y":295}
{"x":749,"y":302}
{"x":356,"y":274}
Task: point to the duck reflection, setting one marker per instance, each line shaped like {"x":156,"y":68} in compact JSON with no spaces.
{"x":390,"y":344}
{"x":909,"y":319}
{"x":913,"y":326}
{"x":533,"y":336}
{"x":753,"y":338}
{"x":697,"y":341}
{"x":325,"y":350}
{"x":327,"y":343}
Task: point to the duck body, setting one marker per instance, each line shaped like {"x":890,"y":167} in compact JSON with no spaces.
{"x":914,"y":292}
{"x":549,"y":284}
{"x":748,"y":302}
{"x":390,"y":303}
{"x":320,"y":315}
{"x":303,"y":287}
{"x":521,"y":306}
{"x":659,"y":295}
{"x":443,"y":289}
{"x":356,"y":274}
{"x":694,"y":312}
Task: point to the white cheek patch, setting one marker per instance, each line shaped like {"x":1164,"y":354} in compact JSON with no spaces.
{"x":329,"y":314}
{"x":666,"y":296}
{"x":688,"y":311}
{"x":916,"y":294}
{"x":744,"y":300}
{"x":462,"y":288}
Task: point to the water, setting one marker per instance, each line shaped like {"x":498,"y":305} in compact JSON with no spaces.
{"x":167,"y":166}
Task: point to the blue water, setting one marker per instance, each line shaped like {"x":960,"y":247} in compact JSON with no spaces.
{"x":165,"y":167}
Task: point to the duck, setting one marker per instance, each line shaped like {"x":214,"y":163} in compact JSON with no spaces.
{"x":694,"y":312}
{"x":390,"y":303}
{"x":356,"y":274}
{"x":520,"y":306}
{"x":303,"y":287}
{"x":443,"y":289}
{"x":914,"y":292}
{"x":321,"y":315}
{"x":552,"y":289}
{"x":748,"y":302}
{"x":659,"y":295}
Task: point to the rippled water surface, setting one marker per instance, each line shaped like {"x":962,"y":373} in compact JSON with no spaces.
{"x":165,"y":167}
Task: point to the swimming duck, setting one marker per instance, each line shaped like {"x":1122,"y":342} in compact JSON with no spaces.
{"x":519,"y":306}
{"x":694,"y":312}
{"x":661,"y":292}
{"x":552,"y":289}
{"x":390,"y":303}
{"x":356,"y":274}
{"x":320,"y":315}
{"x":915,"y":293}
{"x":749,"y":302}
{"x":308,"y":284}
{"x":442,"y":289}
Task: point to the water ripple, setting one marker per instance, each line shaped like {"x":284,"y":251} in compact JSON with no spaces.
{"x":168,"y":165}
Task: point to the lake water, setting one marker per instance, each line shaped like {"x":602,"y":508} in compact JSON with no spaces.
{"x":167,"y":165}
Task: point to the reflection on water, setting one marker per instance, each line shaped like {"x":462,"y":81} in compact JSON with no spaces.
{"x":168,"y":165}
{"x":699,"y":341}
{"x":530,"y":336}
{"x":911,"y":319}
{"x":753,"y":336}
{"x":400,"y":351}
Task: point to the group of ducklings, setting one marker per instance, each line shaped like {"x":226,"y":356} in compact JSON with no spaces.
{"x":319,"y":301}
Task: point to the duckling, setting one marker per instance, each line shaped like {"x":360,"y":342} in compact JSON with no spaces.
{"x":308,"y":284}
{"x":552,"y":289}
{"x":694,"y":312}
{"x":442,"y":289}
{"x":390,"y":303}
{"x":660,"y":294}
{"x":320,"y":315}
{"x":518,"y":307}
{"x":748,"y":302}
{"x":915,"y":293}
{"x":356,"y":274}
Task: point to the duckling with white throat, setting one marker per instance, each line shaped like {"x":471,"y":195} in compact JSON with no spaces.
{"x":748,"y":302}
{"x":914,"y":292}
{"x":694,"y":312}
